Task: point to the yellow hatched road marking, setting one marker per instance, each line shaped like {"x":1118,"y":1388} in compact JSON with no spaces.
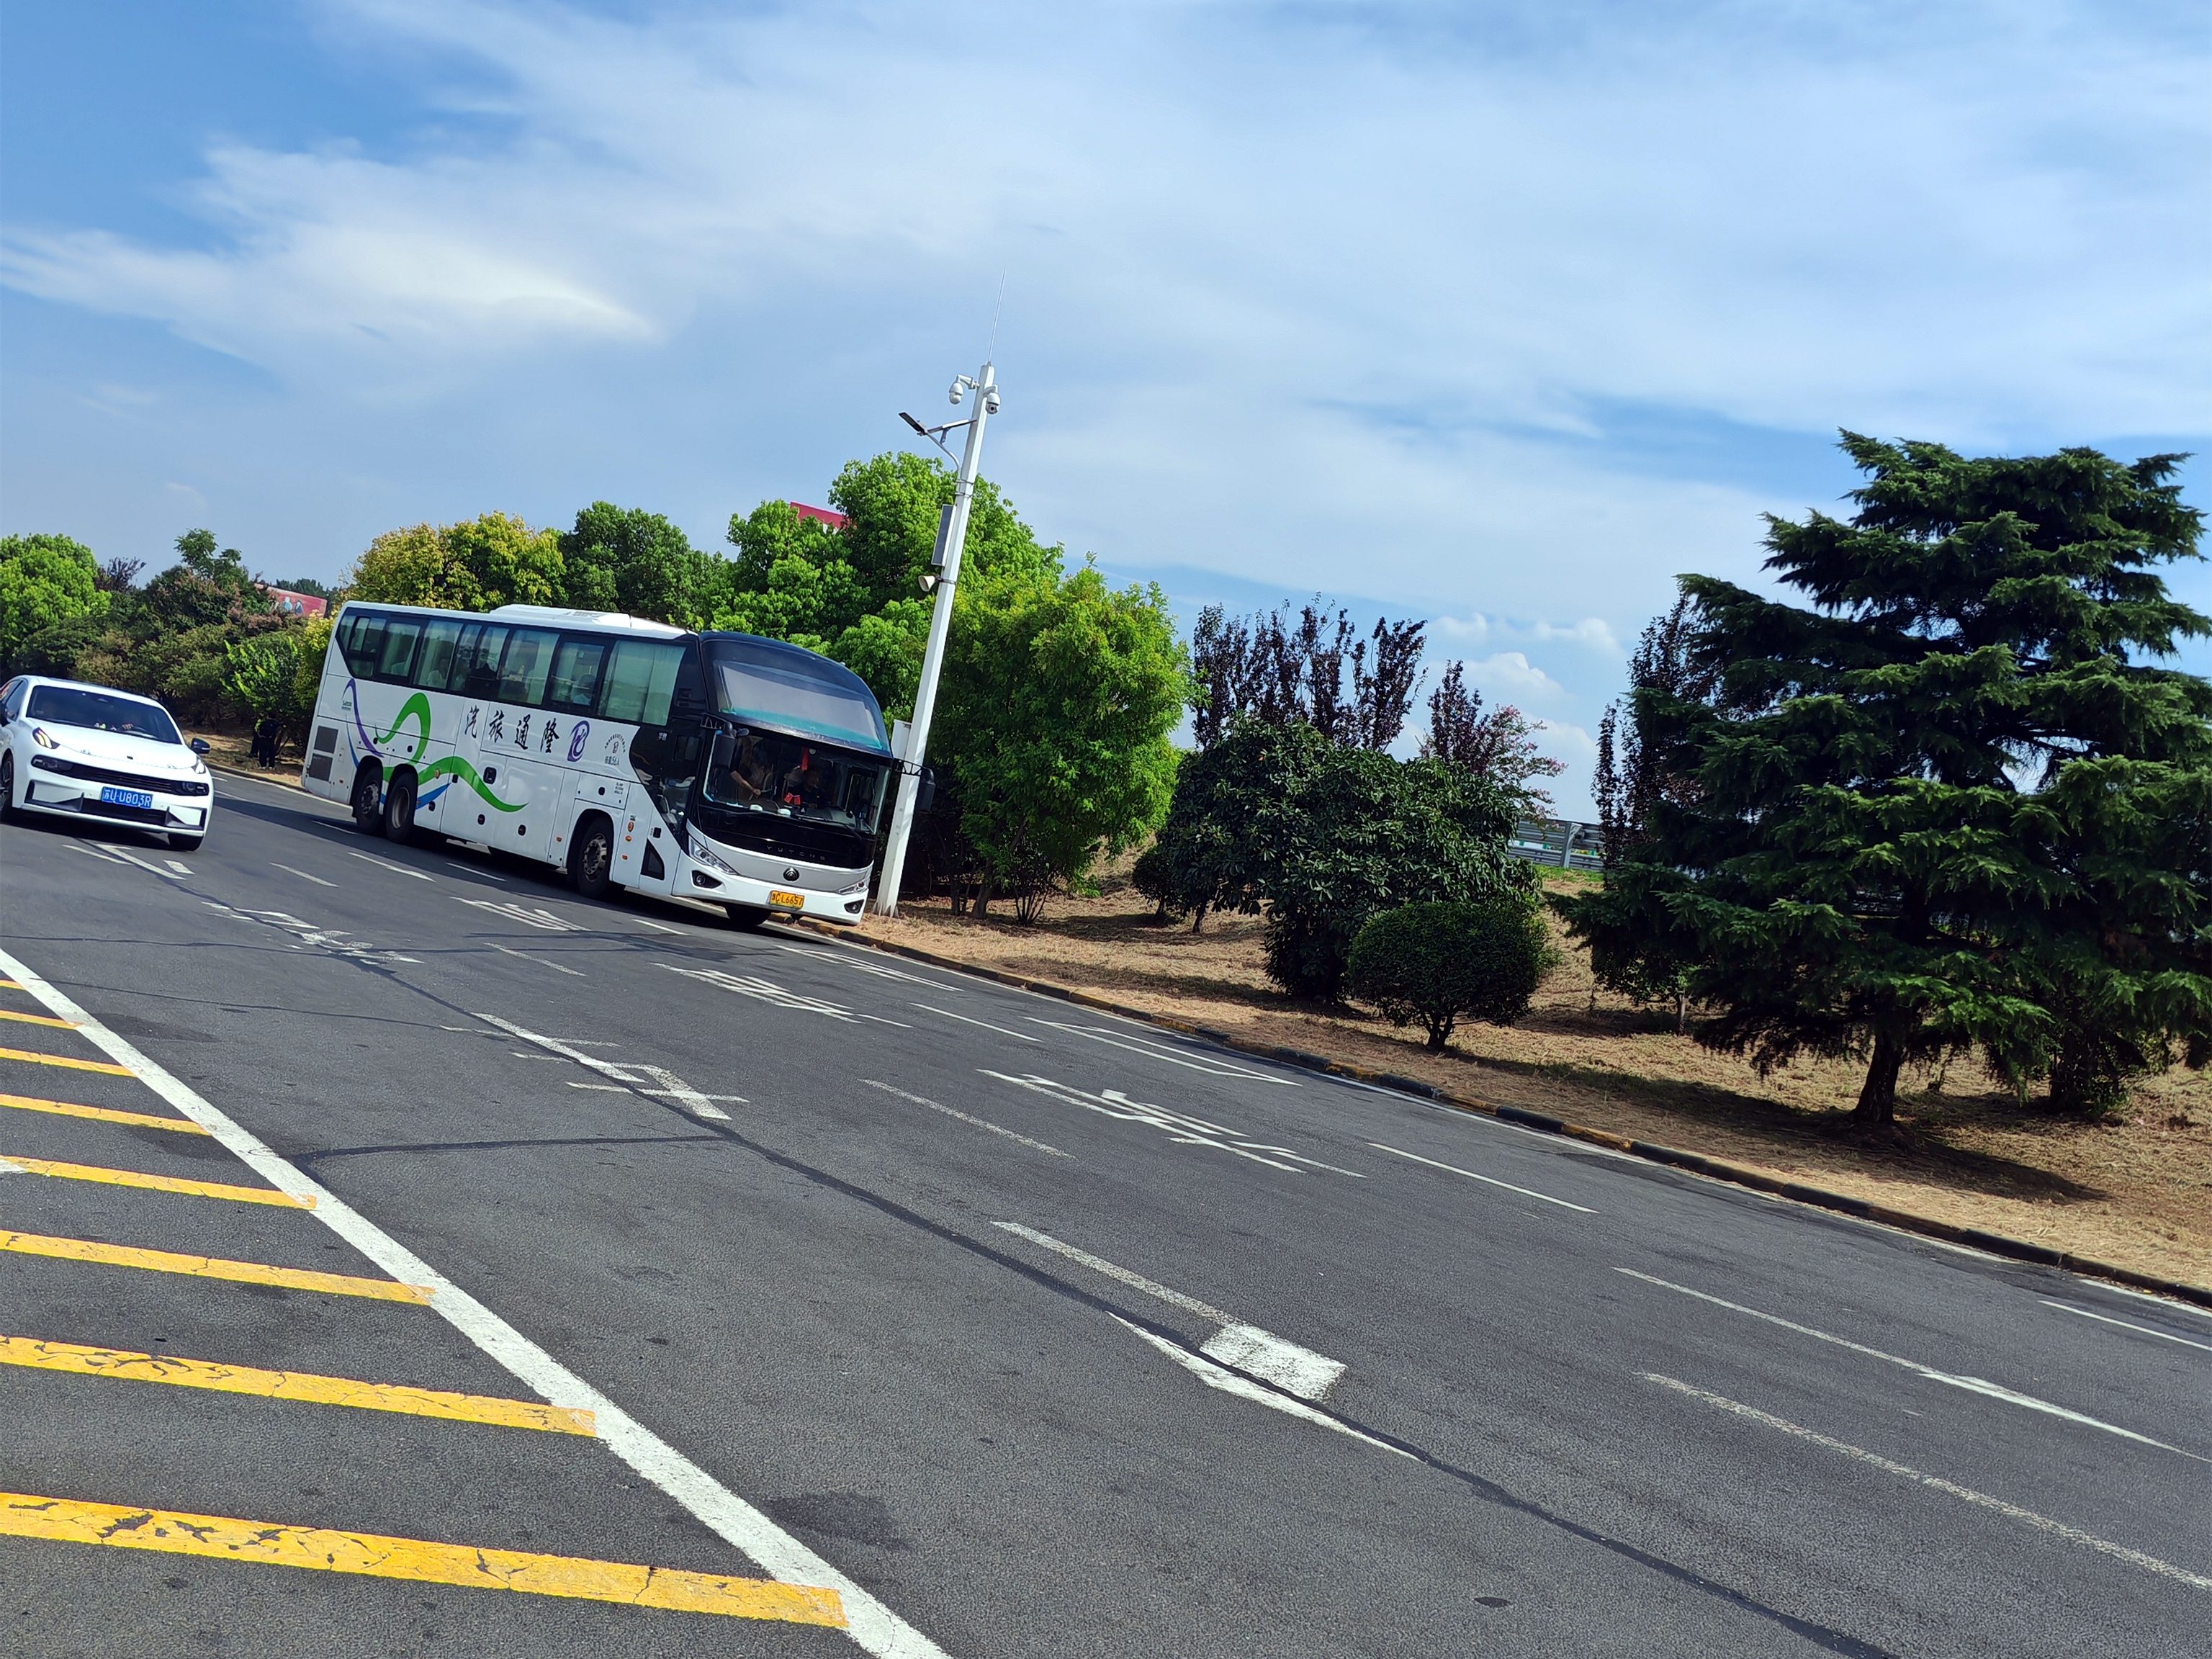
{"x":118,"y":1363}
{"x":64,"y":1060}
{"x":37,"y":1019}
{"x":10,"y":985}
{"x":23,"y":1516}
{"x":208,"y":1266}
{"x":104,"y":1114}
{"x":46,"y":1166}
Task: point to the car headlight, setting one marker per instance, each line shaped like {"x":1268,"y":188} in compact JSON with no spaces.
{"x":43,"y":738}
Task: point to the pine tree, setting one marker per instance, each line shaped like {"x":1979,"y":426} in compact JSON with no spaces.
{"x":1950,"y":805}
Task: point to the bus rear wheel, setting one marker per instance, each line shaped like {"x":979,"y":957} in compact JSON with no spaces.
{"x":399,"y":810}
{"x":369,"y":800}
{"x":591,"y":859}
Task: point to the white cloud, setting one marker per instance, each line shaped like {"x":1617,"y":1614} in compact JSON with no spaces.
{"x":1509,"y":677}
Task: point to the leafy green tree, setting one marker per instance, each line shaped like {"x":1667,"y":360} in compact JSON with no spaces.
{"x":1323,"y":837}
{"x":1437,"y":961}
{"x":634,"y":561}
{"x":1059,"y":695}
{"x":478,"y":564}
{"x":46,"y":582}
{"x":261,"y":675}
{"x":1950,"y":805}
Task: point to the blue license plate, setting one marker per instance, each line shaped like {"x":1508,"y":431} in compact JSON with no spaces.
{"x":113,"y":797}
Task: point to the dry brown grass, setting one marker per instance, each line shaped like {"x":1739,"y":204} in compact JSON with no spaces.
{"x":2135,"y":1191}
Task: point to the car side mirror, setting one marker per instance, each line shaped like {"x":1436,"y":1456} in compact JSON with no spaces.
{"x":200,"y":745}
{"x":927,"y":793}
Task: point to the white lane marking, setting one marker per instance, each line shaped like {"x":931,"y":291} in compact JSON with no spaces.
{"x":656,"y":927}
{"x":154,"y":869}
{"x":674,"y":1086}
{"x":311,"y":935}
{"x":1182,"y":1129}
{"x":540,"y":918}
{"x":302,"y":874}
{"x":1137,"y":1045}
{"x":179,"y":865}
{"x":880,"y":1020}
{"x":2107,"y":1319}
{"x":1525,"y":1192}
{"x":664,"y":1094}
{"x":1136,"y":1281}
{"x":761,"y":990}
{"x":873,"y":1625}
{"x":1997,"y":1505}
{"x":1972,"y":1384}
{"x":525,"y":955}
{"x":1215,"y":1376}
{"x":1020,"y":1036}
{"x":386,"y":864}
{"x":90,"y":854}
{"x":1276,"y":1359}
{"x":860,"y":964}
{"x":485,"y":874}
{"x":981,"y":1123}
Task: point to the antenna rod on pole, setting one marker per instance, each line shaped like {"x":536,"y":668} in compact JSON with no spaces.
{"x":986,"y":388}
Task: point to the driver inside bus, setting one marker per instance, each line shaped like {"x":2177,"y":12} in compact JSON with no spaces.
{"x":751,"y":773}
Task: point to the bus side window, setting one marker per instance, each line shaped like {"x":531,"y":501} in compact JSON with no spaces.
{"x":639,"y":681}
{"x":475,"y":664}
{"x":522,"y":671}
{"x":397,"y":656}
{"x":573,"y":685}
{"x":364,"y":643}
{"x":433,"y":665}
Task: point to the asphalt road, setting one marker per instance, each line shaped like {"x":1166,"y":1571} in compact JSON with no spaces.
{"x":1008,"y":1327}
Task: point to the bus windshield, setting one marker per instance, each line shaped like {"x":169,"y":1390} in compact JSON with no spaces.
{"x":767,"y":773}
{"x":771,"y":683}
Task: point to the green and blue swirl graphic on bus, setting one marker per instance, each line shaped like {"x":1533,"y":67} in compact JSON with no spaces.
{"x":416,"y":709}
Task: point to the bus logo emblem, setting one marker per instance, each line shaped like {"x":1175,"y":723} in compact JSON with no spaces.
{"x":577,"y":735}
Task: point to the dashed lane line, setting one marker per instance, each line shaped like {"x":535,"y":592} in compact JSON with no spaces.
{"x":64,"y":1060}
{"x":38,"y":1019}
{"x":14,"y":1163}
{"x":525,"y":955}
{"x":2042,"y":1523}
{"x":1525,"y":1192}
{"x":102,"y":1114}
{"x":1972,"y":1384}
{"x":302,"y":874}
{"x":371,"y":1555}
{"x":2106,"y":1319}
{"x":151,"y":869}
{"x":121,"y":1364}
{"x":208,"y":1266}
{"x":874,"y":1628}
{"x":965,"y":1117}
{"x":386,"y":864}
{"x":1018,"y":1036}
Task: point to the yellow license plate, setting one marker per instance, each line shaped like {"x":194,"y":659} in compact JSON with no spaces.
{"x":792,"y":901}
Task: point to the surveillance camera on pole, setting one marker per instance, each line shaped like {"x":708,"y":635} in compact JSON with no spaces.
{"x":941,"y":579}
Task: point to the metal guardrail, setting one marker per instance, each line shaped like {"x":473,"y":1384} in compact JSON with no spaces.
{"x":1563,"y":844}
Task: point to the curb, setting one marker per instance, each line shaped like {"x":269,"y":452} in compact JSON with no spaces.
{"x":278,"y":777}
{"x":1714,"y":1169}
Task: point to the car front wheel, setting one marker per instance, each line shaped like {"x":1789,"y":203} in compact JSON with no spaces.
{"x":8,"y":788}
{"x":185,"y":843}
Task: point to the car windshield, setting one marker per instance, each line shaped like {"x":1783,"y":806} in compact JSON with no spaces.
{"x":103,"y":711}
{"x":788,"y":777}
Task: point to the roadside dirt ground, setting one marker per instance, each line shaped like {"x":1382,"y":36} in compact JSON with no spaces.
{"x":2135,"y":1191}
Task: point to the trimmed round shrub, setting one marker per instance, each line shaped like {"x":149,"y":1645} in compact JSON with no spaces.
{"x":1440,"y":962}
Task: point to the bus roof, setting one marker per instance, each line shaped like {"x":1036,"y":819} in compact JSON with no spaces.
{"x":539,"y":615}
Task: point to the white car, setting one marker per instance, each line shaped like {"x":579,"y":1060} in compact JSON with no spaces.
{"x":92,"y":752}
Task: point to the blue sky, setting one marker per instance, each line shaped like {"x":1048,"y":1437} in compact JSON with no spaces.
{"x":1501,"y":315}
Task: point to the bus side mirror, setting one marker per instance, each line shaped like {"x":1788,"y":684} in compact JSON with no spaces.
{"x":927,"y":793}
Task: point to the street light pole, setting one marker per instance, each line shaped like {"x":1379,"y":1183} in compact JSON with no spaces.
{"x":985,"y":385}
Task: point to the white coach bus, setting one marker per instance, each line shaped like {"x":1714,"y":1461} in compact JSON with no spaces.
{"x":743,"y":771}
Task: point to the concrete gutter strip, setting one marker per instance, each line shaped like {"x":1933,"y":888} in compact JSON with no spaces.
{"x":1714,"y":1169}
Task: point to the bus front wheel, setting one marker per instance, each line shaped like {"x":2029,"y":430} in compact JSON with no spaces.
{"x":591,"y":859}
{"x":745,"y":916}
{"x":369,"y":800}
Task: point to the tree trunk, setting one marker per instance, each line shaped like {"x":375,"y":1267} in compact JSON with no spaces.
{"x":1681,"y":1013}
{"x":983,"y":894}
{"x":1877,"y":1107}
